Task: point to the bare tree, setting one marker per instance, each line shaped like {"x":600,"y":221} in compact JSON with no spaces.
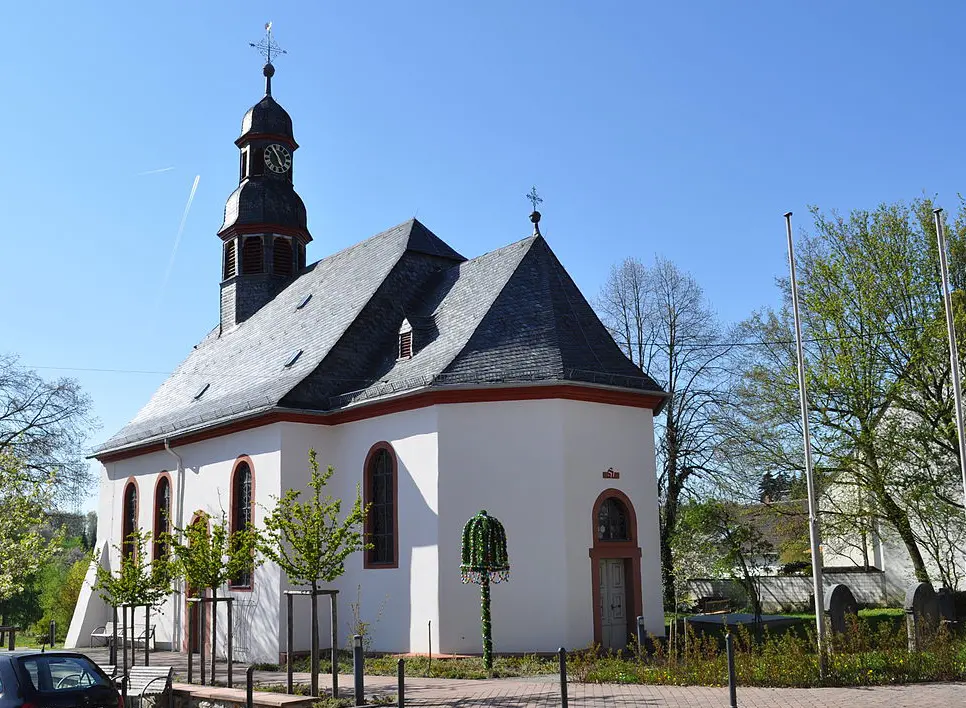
{"x":661,"y":318}
{"x":44,"y":424}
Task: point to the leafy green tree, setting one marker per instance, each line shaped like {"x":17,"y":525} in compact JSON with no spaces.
{"x":730,"y":537}
{"x":310,"y":542}
{"x":877,"y":370}
{"x":60,"y":584}
{"x":139,"y":580}
{"x":23,"y":548}
{"x":208,"y":558}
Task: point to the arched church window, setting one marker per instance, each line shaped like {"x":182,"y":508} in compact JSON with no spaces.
{"x":252,"y":255}
{"x":241,"y":510}
{"x":129,"y":520}
{"x":229,"y":259}
{"x":612,"y":521}
{"x":162,"y":514}
{"x":282,"y":256}
{"x":381,"y":494}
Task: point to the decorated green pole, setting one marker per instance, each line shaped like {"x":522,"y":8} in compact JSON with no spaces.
{"x":485,"y":560}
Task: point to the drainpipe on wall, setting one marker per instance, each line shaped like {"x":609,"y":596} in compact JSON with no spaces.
{"x":177,"y":639}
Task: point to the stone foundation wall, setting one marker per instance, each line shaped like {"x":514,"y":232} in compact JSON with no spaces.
{"x":793,"y":593}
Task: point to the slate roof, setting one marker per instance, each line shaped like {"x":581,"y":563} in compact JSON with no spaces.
{"x":267,"y":116}
{"x":510,"y":315}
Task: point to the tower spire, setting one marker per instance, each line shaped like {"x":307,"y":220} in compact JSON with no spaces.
{"x":535,"y":215}
{"x":268,"y":48}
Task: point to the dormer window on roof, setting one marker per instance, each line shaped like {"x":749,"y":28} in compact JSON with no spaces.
{"x":405,"y":340}
{"x":201,"y":391}
{"x":305,"y":301}
{"x":294,"y":358}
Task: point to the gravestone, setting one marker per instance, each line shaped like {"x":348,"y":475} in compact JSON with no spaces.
{"x":947,"y":607}
{"x":839,"y":605}
{"x":922,"y":614}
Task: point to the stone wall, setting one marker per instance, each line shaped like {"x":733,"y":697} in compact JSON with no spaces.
{"x":793,"y":593}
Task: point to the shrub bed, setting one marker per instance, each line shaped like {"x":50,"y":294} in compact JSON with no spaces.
{"x":862,"y":656}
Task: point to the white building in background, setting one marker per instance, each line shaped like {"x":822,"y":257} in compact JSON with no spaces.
{"x":440,"y":386}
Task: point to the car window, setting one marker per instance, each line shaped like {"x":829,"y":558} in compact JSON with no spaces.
{"x":61,"y":673}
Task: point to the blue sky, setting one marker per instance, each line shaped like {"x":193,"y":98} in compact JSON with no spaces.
{"x":685,"y":129}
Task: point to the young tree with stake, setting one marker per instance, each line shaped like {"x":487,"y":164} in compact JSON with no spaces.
{"x":309,"y":541}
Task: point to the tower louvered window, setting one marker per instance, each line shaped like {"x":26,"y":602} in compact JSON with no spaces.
{"x":282,"y":256}
{"x":252,"y":255}
{"x":229,"y":259}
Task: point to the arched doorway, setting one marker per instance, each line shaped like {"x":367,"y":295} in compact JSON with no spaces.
{"x":615,"y":570}
{"x":193,"y":610}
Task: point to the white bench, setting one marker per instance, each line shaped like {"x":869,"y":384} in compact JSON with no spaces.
{"x":106,"y":632}
{"x":144,"y":681}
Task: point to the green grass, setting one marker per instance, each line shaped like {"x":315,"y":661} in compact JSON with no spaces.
{"x":459,"y":668}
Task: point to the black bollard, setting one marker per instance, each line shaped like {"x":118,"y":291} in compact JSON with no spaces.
{"x":250,"y":687}
{"x":562,"y":655}
{"x":401,"y":683}
{"x":52,"y":634}
{"x":358,"y":669}
{"x":732,"y":681}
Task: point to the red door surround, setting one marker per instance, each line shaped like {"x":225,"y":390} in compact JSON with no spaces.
{"x":627,"y":550}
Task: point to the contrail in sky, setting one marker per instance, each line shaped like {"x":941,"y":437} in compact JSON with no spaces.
{"x":177,"y":240}
{"x":154,"y":172}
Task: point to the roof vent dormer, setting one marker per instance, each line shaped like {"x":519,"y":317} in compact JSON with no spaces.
{"x":405,"y":350}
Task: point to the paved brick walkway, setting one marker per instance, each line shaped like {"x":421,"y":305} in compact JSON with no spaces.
{"x":544,"y":692}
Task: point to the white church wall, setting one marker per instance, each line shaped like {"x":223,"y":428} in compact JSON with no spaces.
{"x":506,"y":458}
{"x":598,"y":437}
{"x":207,"y":474}
{"x":398,"y":603}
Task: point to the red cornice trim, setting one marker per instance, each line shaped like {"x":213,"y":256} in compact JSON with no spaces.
{"x":277,"y":137}
{"x":421,"y":399}
{"x":242,"y":229}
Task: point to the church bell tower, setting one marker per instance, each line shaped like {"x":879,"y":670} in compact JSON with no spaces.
{"x":264,"y":233}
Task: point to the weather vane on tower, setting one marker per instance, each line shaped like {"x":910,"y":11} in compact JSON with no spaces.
{"x":268,"y":48}
{"x":535,"y":216}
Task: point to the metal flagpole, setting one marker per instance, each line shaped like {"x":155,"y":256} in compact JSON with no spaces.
{"x":814,"y":534}
{"x":953,"y":349}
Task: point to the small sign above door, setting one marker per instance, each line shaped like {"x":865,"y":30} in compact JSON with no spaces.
{"x":611,"y":473}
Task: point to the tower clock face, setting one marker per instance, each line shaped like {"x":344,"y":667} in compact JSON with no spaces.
{"x":278,"y":159}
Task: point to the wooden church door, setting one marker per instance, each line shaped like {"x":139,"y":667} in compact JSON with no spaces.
{"x":613,"y":601}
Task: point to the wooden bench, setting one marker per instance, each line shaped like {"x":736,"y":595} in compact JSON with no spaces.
{"x":106,"y":632}
{"x":142,"y":681}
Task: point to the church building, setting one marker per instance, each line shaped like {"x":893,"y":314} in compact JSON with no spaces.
{"x":437,"y":384}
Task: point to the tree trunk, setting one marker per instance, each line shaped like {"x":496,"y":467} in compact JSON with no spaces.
{"x":671,"y":500}
{"x":214,"y":631}
{"x":314,"y":658}
{"x":900,"y":521}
